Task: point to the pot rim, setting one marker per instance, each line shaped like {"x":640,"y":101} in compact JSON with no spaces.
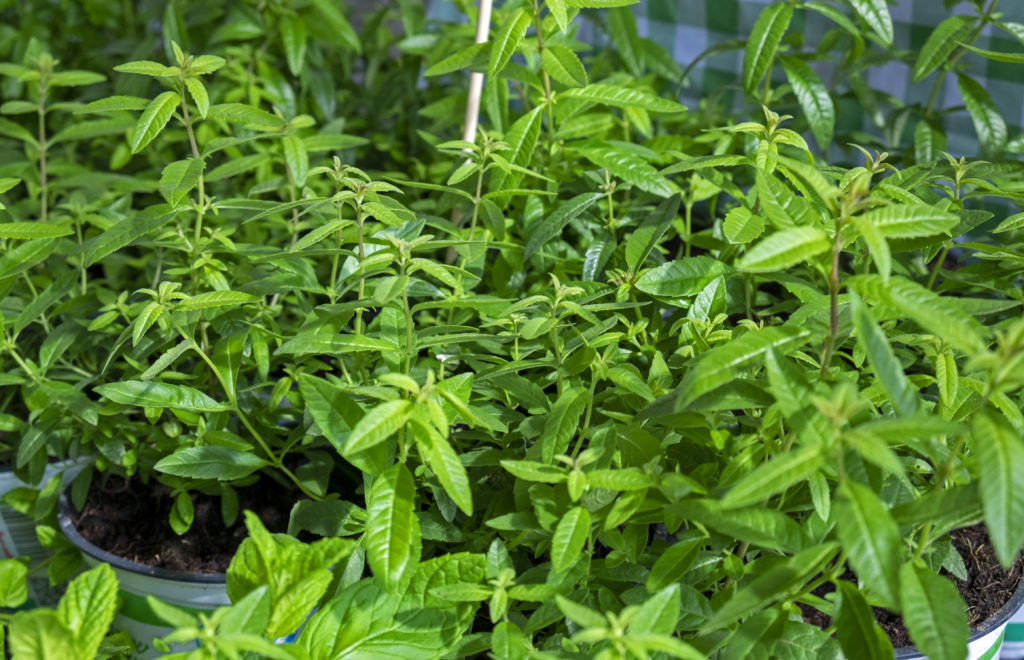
{"x":1001,"y":617}
{"x":67,"y":526}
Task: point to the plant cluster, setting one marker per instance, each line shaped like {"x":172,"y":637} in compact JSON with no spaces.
{"x":612,"y":380}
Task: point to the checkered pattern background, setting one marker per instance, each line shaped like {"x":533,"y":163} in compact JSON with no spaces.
{"x":687,"y":27}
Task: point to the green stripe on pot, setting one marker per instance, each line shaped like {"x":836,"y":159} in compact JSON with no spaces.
{"x":993,"y":650}
{"x":136,"y":608}
{"x":1015,"y":632}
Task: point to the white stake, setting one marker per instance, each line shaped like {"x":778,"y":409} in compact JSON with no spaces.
{"x":476,"y":80}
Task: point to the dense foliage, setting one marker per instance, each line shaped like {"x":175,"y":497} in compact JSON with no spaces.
{"x":613,"y":380}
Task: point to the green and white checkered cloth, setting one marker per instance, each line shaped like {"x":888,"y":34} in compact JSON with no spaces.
{"x":685,"y":28}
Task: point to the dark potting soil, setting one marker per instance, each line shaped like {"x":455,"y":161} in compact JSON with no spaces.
{"x":987,"y":587}
{"x":130,"y":520}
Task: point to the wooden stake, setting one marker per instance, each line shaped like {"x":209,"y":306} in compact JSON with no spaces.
{"x":476,"y":80}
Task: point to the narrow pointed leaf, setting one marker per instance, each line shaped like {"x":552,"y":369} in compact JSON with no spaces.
{"x":763,"y":43}
{"x":153,"y":119}
{"x":870,"y":540}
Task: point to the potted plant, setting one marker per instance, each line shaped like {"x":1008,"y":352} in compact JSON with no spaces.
{"x":613,"y":379}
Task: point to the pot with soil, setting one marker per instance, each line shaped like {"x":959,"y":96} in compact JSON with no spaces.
{"x":993,"y":596}
{"x":18,"y":531}
{"x":125,"y":523}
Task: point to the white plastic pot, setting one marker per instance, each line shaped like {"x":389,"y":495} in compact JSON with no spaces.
{"x":985,"y":641}
{"x":195,"y":592}
{"x":18,"y":534}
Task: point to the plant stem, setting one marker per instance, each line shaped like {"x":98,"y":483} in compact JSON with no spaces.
{"x":833,"y":292}
{"x":200,"y":207}
{"x":43,"y":193}
{"x":362,"y":272}
{"x":938,"y":265}
{"x":274,"y":459}
{"x":544,"y":74}
{"x":408,"y":327}
{"x":689,"y":225}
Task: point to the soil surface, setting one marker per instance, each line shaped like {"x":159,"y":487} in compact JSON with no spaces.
{"x":130,"y":520}
{"x":987,"y":587}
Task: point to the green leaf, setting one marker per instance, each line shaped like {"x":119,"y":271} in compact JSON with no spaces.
{"x":623,"y":97}
{"x":506,"y":42}
{"x":13,"y":587}
{"x":239,"y":113}
{"x":570,"y":536}
{"x":772,"y":586}
{"x":1012,"y":58}
{"x":626,"y":39}
{"x":293,"y":37}
{"x":741,"y":226}
{"x":680,"y":278}
{"x":645,"y":237}
{"x":910,"y":221}
{"x":296,"y":158}
{"x":553,"y":225}
{"x":763,"y":43}
{"x":458,"y":60}
{"x":18,"y":108}
{"x":126,"y":232}
{"x":26,"y":230}
{"x":25,"y":255}
{"x":522,"y":138}
{"x":41,"y":635}
{"x":210,"y":299}
{"x":624,"y":479}
{"x":392,"y":538}
{"x":210,"y":462}
{"x":783,"y":249}
{"x":940,"y":316}
{"x":870,"y":540}
{"x":74,"y":78}
{"x":1015,"y":221}
{"x":673,"y":564}
{"x":934,"y":613}
{"x":940,"y":44}
{"x":988,"y":123}
{"x":558,"y":11}
{"x":887,"y":368}
{"x":377,"y":425}
{"x":450,"y":471}
{"x":999,"y":463}
{"x":584,"y":616}
{"x":533,"y":471}
{"x":153,"y":119}
{"x":562,"y":423}
{"x":719,"y":365}
{"x":197,"y":91}
{"x":856,"y":629}
{"x":203,"y":64}
{"x":88,"y":608}
{"x":327,"y":344}
{"x":564,"y":66}
{"x":6,"y":183}
{"x":774,"y":476}
{"x":145,"y":68}
{"x":929,"y":141}
{"x":876,"y":14}
{"x":626,"y":166}
{"x":159,"y":395}
{"x":814,"y":99}
{"x":339,"y":26}
{"x":87,"y":130}
{"x":179,"y":178}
